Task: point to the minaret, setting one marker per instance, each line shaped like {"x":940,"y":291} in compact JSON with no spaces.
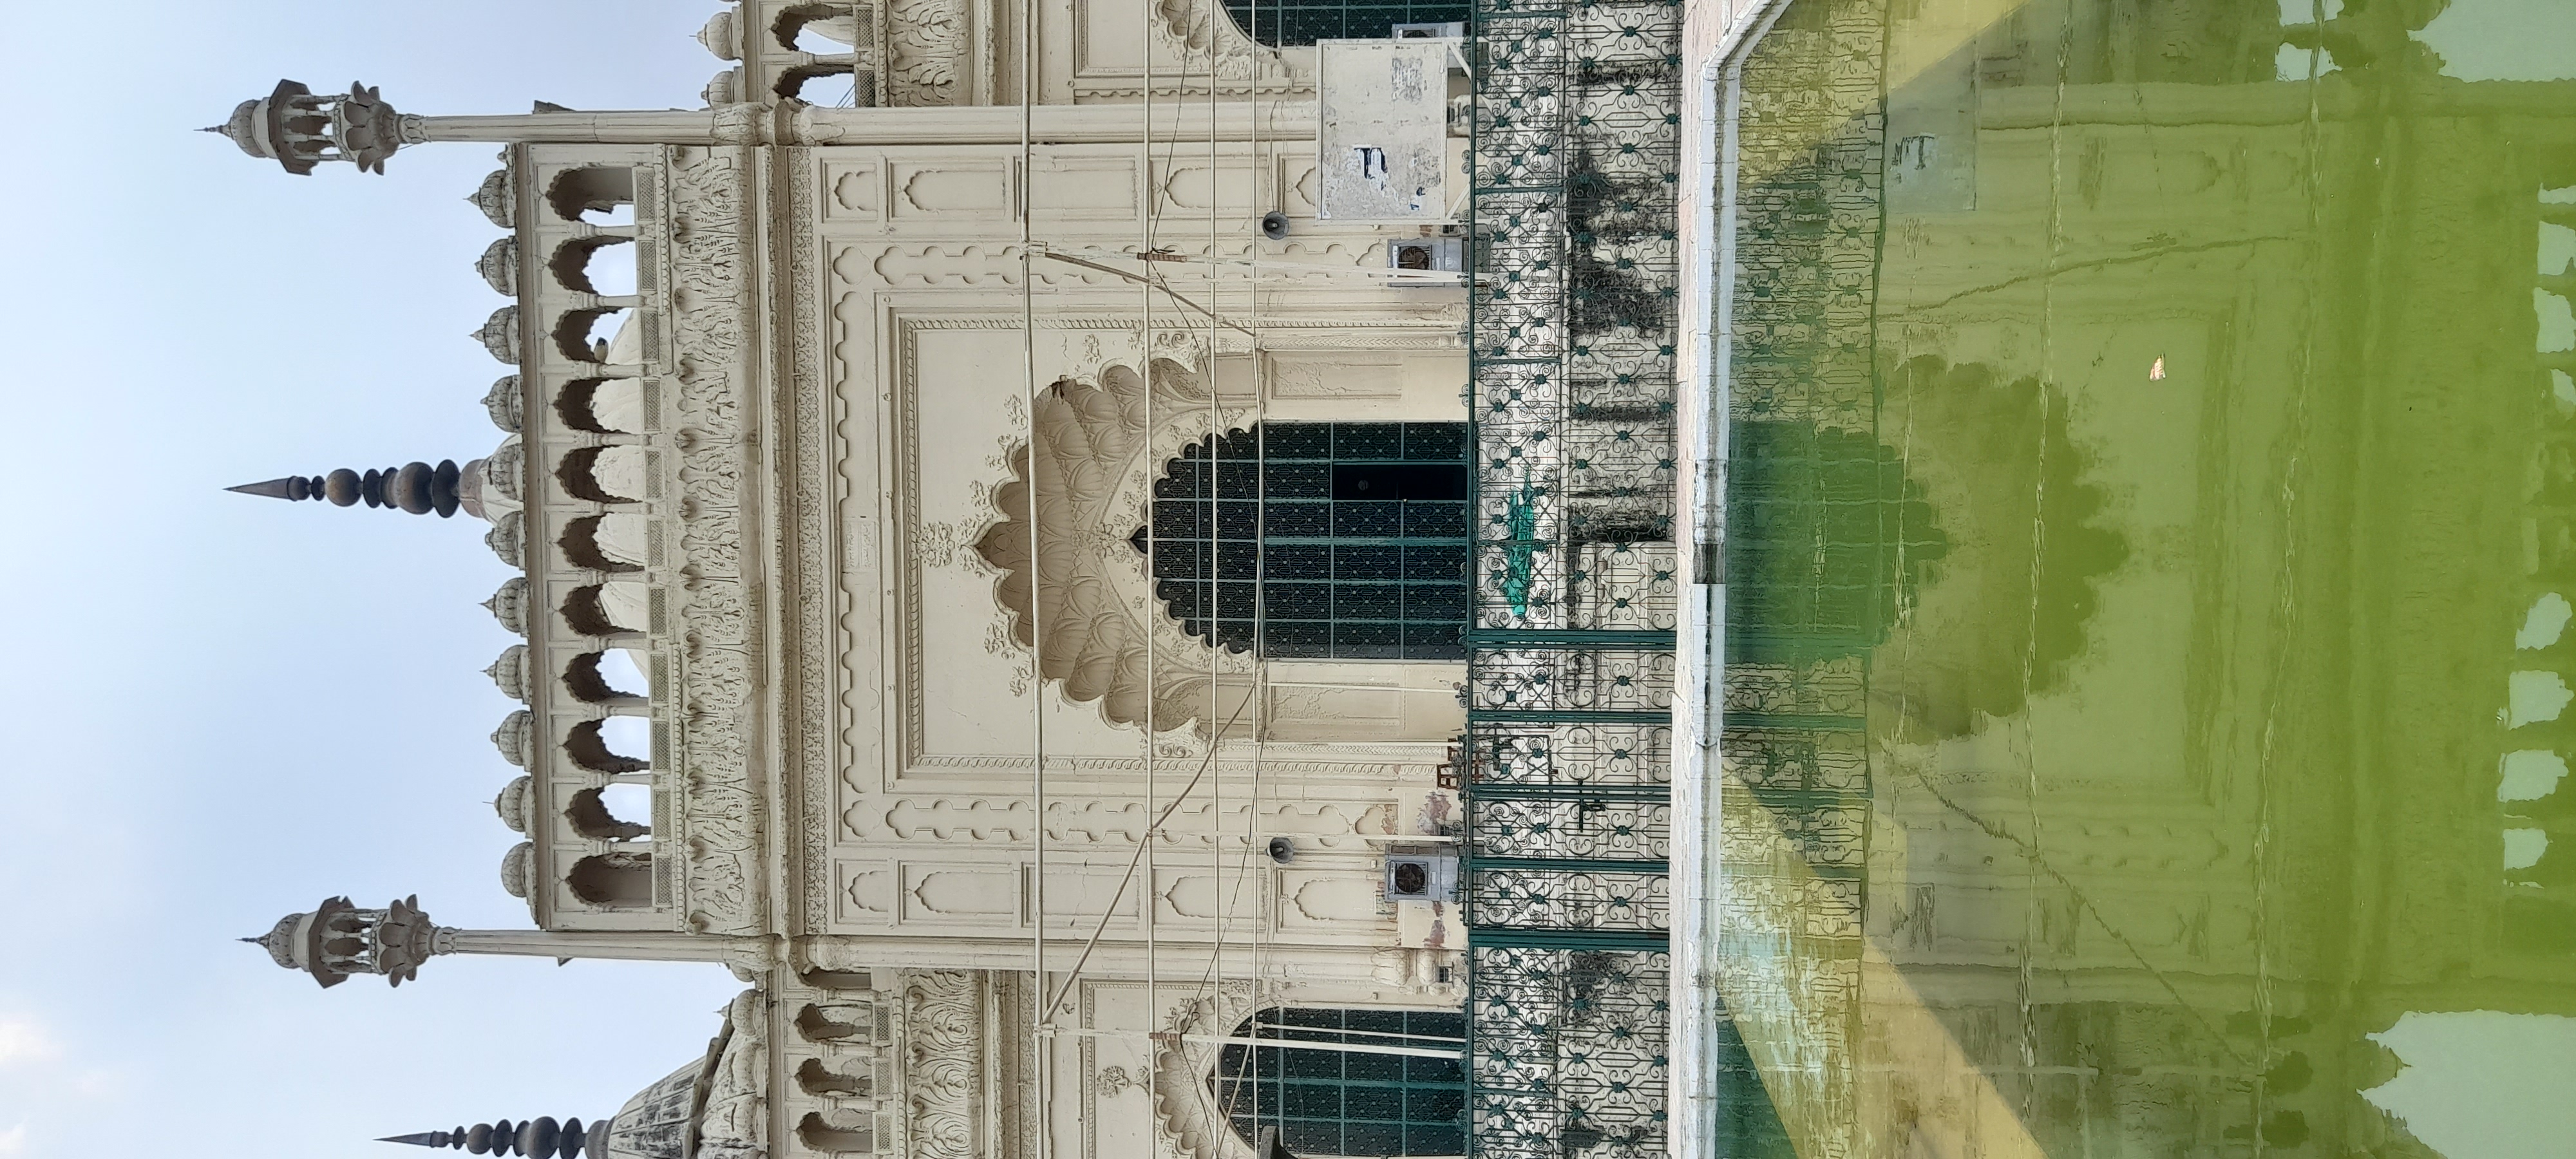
{"x":300,"y":129}
{"x":415,"y":487}
{"x":337,"y":940}
{"x":537,"y":1138}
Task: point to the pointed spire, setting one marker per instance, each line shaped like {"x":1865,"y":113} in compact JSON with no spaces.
{"x":538,"y":1138}
{"x":415,"y":487}
{"x":290,"y":488}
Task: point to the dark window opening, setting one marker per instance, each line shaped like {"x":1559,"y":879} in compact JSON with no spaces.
{"x":1292,"y":23}
{"x":1317,"y":540}
{"x":1343,"y":1102}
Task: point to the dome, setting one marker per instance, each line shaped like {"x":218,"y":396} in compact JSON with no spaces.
{"x":515,"y":866}
{"x":515,"y":803}
{"x":500,"y":334}
{"x":655,"y":1123}
{"x":503,"y":467}
{"x":505,"y":539}
{"x":499,"y":266}
{"x":515,"y":738}
{"x":510,"y":605}
{"x":243,"y":127}
{"x":720,"y":38}
{"x":281,"y":939}
{"x":503,"y":402}
{"x":510,"y":672}
{"x":498,"y":198}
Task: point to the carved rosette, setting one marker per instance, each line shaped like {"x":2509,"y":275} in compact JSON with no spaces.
{"x":714,"y":645}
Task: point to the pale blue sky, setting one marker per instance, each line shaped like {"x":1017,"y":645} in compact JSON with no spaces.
{"x":224,"y":708}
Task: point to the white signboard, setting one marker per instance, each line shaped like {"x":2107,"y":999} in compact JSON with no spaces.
{"x":1380,"y":155}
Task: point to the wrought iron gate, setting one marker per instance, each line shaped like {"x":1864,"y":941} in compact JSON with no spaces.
{"x":1566,"y":770}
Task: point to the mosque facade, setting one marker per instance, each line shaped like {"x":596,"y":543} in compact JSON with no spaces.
{"x":780,"y":497}
{"x":1068,"y":567}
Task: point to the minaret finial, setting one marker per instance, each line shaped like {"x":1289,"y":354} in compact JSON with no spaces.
{"x":415,"y":487}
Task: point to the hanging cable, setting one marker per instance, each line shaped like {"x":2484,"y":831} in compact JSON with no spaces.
{"x":1143,"y":846}
{"x":1145,"y":372}
{"x":1039,"y":1040}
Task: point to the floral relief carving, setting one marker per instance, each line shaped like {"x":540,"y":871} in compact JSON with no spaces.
{"x":720,"y":810}
{"x":930,"y":40}
{"x":943,"y":1064}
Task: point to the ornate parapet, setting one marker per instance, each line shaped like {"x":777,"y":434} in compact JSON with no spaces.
{"x":620,"y":491}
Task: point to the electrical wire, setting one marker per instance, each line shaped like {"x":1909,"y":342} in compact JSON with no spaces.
{"x":1040,"y":1040}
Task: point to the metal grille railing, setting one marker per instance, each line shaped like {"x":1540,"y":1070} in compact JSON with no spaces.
{"x":1567,"y":767}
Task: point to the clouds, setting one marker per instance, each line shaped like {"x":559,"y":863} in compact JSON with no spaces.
{"x":13,"y":1141}
{"x":23,"y":1041}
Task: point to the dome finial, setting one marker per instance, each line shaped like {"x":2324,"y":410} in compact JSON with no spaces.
{"x":415,"y":487}
{"x":537,"y":1138}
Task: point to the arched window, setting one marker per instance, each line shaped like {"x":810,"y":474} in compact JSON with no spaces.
{"x":1326,"y":1099}
{"x":1356,"y":532}
{"x":597,"y":194}
{"x":623,"y":878}
{"x":1288,"y":23}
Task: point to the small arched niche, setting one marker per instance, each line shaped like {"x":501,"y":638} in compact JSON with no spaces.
{"x":602,"y":265}
{"x":830,"y":83}
{"x":594,"y":194}
{"x":823,"y":979}
{"x":609,"y":676}
{"x":840,"y":1022}
{"x":589,"y":335}
{"x":823,"y":1081}
{"x":614,"y":542}
{"x":819,"y":29}
{"x":613,"y":608}
{"x":611,"y":745}
{"x":604,"y":406}
{"x":602,"y":814}
{"x":820,"y":1134}
{"x":617,"y":474}
{"x":620,"y":879}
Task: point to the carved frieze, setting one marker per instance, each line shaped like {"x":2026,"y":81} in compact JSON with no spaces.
{"x":929,"y":51}
{"x":944,"y":1063}
{"x":722,"y":809}
{"x":812,"y":596}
